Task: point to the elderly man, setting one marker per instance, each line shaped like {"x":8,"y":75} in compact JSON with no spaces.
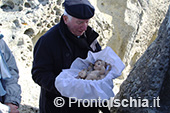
{"x":58,"y":48}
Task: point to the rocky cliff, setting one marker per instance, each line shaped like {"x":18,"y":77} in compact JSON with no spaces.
{"x":128,"y":26}
{"x":150,"y":77}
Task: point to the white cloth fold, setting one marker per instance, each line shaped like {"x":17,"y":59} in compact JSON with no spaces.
{"x":69,"y":86}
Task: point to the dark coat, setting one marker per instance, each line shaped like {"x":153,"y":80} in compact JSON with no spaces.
{"x":53,"y":52}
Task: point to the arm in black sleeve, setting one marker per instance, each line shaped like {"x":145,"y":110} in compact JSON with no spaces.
{"x":43,"y":66}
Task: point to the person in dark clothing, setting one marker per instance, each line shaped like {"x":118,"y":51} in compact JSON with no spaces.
{"x":58,"y":48}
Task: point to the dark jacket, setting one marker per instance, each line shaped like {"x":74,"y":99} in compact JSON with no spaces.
{"x":54,"y":51}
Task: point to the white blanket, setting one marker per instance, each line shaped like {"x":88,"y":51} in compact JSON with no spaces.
{"x":69,"y":86}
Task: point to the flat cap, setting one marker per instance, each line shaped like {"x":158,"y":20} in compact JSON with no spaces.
{"x":81,"y":9}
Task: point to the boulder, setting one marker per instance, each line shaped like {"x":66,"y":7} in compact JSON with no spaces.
{"x":150,"y":78}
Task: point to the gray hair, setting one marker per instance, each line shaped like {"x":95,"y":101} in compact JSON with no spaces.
{"x":69,"y":16}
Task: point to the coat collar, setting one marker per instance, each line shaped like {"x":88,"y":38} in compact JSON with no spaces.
{"x":1,"y":36}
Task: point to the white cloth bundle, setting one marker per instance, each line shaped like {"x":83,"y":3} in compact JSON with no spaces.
{"x":4,"y":108}
{"x":69,"y":86}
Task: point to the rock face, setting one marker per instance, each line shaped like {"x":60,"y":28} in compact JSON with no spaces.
{"x":150,"y":77}
{"x":135,"y":25}
{"x":128,"y":26}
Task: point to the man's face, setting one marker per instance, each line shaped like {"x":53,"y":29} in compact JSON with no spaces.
{"x":75,"y":25}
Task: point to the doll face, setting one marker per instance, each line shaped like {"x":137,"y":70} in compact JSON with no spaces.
{"x":98,"y":64}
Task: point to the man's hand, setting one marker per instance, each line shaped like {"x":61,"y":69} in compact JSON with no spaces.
{"x":13,"y":108}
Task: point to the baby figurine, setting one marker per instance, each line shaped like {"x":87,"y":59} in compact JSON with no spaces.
{"x":95,"y":72}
